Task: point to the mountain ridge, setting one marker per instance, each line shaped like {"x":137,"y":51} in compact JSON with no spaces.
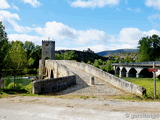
{"x":103,"y":53}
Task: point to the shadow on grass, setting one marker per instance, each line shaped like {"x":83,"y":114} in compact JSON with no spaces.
{"x":14,"y":91}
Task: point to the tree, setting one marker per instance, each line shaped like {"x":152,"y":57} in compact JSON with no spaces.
{"x":149,"y":48}
{"x":70,"y":55}
{"x":30,"y":49}
{"x":155,"y":46}
{"x":37,"y":55}
{"x":128,"y":60}
{"x":109,"y":66}
{"x":3,"y":46}
{"x":97,"y":63}
{"x":58,"y":56}
{"x":16,"y":58}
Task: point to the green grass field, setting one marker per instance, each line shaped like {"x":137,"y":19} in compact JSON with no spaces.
{"x":148,"y":84}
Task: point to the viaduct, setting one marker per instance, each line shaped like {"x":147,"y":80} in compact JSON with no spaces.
{"x":135,"y":69}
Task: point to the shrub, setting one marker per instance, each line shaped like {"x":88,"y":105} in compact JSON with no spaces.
{"x":18,"y":86}
{"x":29,"y":88}
{"x":7,"y":82}
{"x":10,"y":86}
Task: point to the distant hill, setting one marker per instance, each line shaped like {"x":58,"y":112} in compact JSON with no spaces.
{"x":86,"y":55}
{"x":103,"y":53}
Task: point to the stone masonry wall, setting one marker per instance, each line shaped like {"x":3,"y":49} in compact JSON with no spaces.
{"x":53,"y":85}
{"x":118,"y":82}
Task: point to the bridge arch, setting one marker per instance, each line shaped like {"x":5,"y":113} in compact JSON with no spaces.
{"x":123,"y":72}
{"x":117,"y":71}
{"x":145,"y":73}
{"x":52,"y":74}
{"x":132,"y":72}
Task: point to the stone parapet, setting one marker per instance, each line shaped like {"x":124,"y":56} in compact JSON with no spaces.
{"x":53,"y":85}
{"x":115,"y":81}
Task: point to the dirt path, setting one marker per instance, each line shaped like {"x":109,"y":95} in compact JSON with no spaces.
{"x":52,"y":108}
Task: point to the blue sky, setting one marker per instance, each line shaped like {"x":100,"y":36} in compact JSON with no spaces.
{"x":81,"y":24}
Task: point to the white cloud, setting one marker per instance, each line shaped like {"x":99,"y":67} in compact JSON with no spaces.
{"x":60,"y":31}
{"x":153,"y":3}
{"x":4,"y":4}
{"x":154,"y":17}
{"x":131,"y":36}
{"x":34,"y":3}
{"x":94,"y":3}
{"x":151,"y":32}
{"x":95,"y":48}
{"x":24,"y":37}
{"x":9,"y":19}
{"x":20,"y":29}
{"x":134,"y":9}
{"x":15,"y":7}
{"x":6,"y":16}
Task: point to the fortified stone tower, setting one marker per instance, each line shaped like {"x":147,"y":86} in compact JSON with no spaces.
{"x":48,"y":52}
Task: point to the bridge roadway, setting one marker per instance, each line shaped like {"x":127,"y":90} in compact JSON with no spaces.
{"x":83,"y":87}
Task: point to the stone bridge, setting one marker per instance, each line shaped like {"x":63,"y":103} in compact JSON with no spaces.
{"x":75,"y":78}
{"x":136,"y":69}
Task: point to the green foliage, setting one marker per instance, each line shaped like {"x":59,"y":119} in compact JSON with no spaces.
{"x":58,"y":56}
{"x":68,"y":55}
{"x":89,"y":62}
{"x":128,"y":60}
{"x":18,"y":86}
{"x":11,"y":86}
{"x":7,"y":81}
{"x":16,"y":57}
{"x":30,"y":71}
{"x":149,"y":48}
{"x":29,"y":87}
{"x":97,"y":63}
{"x":3,"y":46}
{"x":109,"y":66}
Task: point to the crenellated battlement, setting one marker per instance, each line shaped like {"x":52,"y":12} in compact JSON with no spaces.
{"x":47,"y":41}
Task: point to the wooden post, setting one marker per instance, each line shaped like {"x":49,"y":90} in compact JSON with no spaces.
{"x":154,"y":78}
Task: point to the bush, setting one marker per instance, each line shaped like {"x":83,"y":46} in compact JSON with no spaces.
{"x":16,"y":86}
{"x":10,"y":86}
{"x":7,"y":82}
{"x":29,"y":88}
